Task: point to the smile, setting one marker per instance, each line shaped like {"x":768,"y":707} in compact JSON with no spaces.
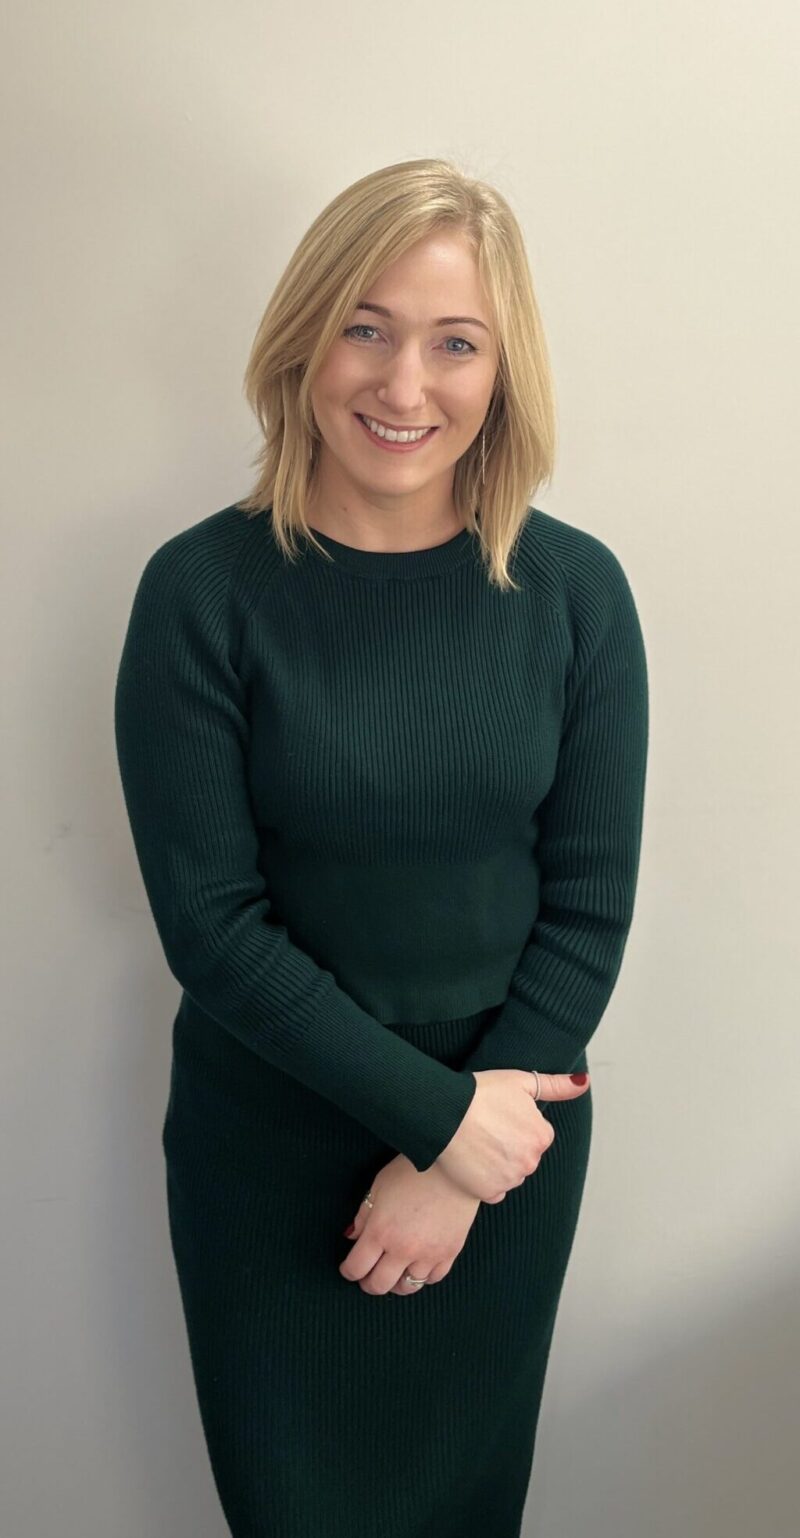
{"x":396,"y":443}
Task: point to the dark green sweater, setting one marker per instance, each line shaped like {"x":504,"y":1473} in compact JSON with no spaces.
{"x":380,"y":790}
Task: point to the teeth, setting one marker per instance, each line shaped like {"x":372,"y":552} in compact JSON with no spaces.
{"x":390,"y":434}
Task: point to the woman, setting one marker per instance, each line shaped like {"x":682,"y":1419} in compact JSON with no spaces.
{"x":382,"y":732}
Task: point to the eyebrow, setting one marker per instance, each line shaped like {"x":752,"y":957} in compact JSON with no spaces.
{"x":445,"y":320}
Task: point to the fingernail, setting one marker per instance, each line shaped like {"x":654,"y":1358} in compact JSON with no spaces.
{"x":349,"y":1231}
{"x":579,"y":1078}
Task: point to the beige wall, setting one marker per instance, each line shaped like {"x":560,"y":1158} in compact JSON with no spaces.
{"x":160,"y":163}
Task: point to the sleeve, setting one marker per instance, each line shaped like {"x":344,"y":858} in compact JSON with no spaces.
{"x":589,"y":837}
{"x":181,"y":737}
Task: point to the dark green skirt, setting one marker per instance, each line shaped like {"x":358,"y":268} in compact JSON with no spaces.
{"x":329,"y":1412}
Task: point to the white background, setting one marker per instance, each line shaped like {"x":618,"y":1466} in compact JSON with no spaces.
{"x":160,"y":163}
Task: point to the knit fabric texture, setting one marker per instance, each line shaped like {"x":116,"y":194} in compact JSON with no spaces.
{"x":377,"y":789}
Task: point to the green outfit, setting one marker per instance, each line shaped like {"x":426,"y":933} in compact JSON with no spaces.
{"x":388,"y":819}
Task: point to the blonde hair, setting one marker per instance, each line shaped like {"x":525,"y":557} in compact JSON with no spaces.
{"x":361,"y":232}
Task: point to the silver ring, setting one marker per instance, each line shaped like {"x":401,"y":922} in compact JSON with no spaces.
{"x":411,"y":1281}
{"x":536,"y":1096}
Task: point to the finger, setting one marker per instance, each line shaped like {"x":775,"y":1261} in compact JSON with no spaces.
{"x":356,"y":1228}
{"x":558,"y":1086}
{"x":359,"y":1261}
{"x":417,"y":1268}
{"x":387,"y":1275}
{"x":438,"y":1274}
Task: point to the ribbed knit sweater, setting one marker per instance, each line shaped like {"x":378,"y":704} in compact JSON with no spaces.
{"x":378,"y":789}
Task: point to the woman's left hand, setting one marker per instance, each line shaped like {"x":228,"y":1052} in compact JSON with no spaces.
{"x":419,"y":1223}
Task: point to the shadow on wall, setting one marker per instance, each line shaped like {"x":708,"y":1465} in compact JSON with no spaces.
{"x":704,"y":1442}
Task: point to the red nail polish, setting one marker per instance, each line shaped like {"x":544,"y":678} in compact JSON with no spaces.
{"x":579,"y":1078}
{"x":350,"y":1230}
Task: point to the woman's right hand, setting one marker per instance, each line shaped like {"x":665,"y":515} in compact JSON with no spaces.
{"x":503,"y":1135}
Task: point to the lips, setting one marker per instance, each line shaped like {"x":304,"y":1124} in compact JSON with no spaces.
{"x":387,"y":425}
{"x":390,"y":445}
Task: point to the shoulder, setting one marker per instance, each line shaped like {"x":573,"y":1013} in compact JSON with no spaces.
{"x":565,"y":563}
{"x":575,"y":571}
{"x":228,"y":553}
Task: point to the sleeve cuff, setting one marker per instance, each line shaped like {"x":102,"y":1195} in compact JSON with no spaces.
{"x":521,"y":1038}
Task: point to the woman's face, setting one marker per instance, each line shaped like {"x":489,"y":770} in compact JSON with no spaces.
{"x":413,"y":367}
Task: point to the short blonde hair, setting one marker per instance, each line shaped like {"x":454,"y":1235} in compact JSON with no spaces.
{"x":361,"y":232}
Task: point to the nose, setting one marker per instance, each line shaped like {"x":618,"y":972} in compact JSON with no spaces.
{"x":403,"y":389}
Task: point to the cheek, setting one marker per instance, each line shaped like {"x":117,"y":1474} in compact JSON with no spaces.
{"x":344,"y":372}
{"x":468,"y":402}
{"x":336,"y":379}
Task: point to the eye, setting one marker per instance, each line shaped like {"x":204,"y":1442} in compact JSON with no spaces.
{"x":362,"y":326}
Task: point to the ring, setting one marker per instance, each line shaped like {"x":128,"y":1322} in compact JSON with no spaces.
{"x":411,"y":1281}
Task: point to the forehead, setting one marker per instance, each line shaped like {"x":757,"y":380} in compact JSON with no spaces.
{"x":435,"y":281}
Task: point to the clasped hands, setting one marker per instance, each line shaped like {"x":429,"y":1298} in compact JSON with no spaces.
{"x":421,"y":1219}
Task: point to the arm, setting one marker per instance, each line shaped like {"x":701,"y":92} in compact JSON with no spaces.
{"x":181,"y":736}
{"x":590,"y":826}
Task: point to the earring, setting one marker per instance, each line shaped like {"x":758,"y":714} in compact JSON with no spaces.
{"x":483,"y":455}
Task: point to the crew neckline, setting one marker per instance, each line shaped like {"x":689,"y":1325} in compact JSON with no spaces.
{"x":428,"y":562}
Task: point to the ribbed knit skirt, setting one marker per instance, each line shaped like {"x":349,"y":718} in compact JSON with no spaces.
{"x":329,"y":1412}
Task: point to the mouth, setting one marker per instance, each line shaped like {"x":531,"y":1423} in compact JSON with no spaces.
{"x":390,"y":445}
